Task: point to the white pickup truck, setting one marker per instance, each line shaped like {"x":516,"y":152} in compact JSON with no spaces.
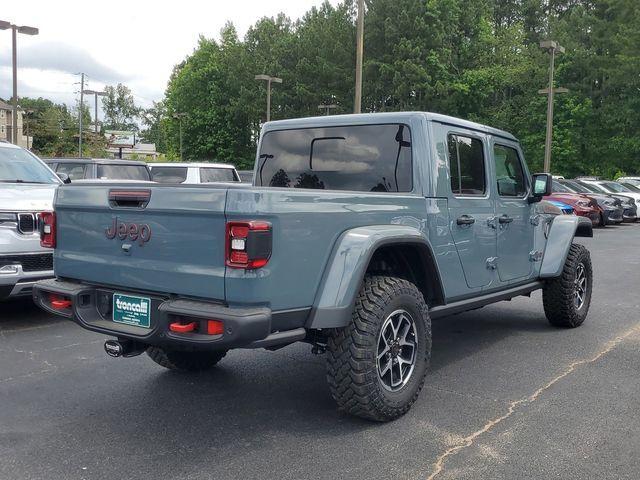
{"x":27,"y":186}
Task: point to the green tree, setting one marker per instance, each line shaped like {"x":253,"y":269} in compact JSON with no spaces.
{"x":120,"y":110}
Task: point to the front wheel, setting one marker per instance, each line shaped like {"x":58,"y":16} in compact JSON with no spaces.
{"x":376,"y":366}
{"x":567,"y":298}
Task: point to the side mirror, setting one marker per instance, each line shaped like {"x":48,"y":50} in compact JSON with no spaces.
{"x":64,"y":177}
{"x":540,"y":186}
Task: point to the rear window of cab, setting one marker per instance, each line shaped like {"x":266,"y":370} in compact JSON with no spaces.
{"x":363,"y":158}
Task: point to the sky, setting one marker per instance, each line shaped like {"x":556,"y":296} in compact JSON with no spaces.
{"x":136,"y":42}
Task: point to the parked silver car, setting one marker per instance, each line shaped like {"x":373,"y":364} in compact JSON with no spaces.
{"x":27,"y":187}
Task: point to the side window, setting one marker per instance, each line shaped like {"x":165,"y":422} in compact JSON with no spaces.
{"x":74,"y":170}
{"x":466,"y":164}
{"x":509,"y":172}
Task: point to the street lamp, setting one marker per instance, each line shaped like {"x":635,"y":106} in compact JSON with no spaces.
{"x":15,"y":29}
{"x":552,"y":47}
{"x":269,"y":79}
{"x":97,"y":94}
{"x":180,"y":116}
{"x":327,"y":107}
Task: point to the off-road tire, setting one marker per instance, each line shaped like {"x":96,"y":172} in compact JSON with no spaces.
{"x":352,"y":371}
{"x":558,"y":294}
{"x":185,"y":361}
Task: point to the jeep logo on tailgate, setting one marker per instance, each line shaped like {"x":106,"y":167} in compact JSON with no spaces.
{"x":140,"y":232}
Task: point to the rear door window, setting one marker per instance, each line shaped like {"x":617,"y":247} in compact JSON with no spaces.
{"x":364,"y":158}
{"x":75,"y":171}
{"x":210,"y":174}
{"x":169,"y":174}
{"x":123,"y":172}
{"x":466,"y":165}
{"x":509,"y":172}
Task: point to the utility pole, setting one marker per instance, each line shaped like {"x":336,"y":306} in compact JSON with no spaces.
{"x":269,"y":79}
{"x":327,"y":107}
{"x":357,"y":104}
{"x":15,"y":29}
{"x":96,"y":94}
{"x":25,"y":121}
{"x":551,"y":47}
{"x":80,"y":114}
{"x":180,"y":116}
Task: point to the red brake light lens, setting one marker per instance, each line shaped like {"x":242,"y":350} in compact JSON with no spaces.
{"x":47,"y":228}
{"x":248,"y":244}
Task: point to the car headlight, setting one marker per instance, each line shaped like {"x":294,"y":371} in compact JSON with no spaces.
{"x":582,"y":203}
{"x":609,"y":203}
{"x":638,"y":201}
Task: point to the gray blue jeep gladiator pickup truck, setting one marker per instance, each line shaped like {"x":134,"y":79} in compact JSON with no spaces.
{"x":357,"y":231}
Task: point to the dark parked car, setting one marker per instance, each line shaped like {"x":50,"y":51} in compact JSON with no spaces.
{"x":630,"y":212}
{"x":99,"y":168}
{"x":611,"y":208}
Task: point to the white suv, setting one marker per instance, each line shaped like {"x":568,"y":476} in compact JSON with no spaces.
{"x":27,"y":187}
{"x":202,"y":172}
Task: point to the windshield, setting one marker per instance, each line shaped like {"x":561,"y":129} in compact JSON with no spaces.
{"x":593,"y":188}
{"x":123,"y":172}
{"x":615,"y":187}
{"x":169,"y":174}
{"x":631,"y":187}
{"x":19,"y":166}
{"x":575,"y":187}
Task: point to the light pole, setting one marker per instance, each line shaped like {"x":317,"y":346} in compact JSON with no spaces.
{"x":15,"y":29}
{"x":327,"y":107}
{"x":269,"y":79}
{"x":180,"y":116}
{"x":552,"y":47}
{"x":357,"y":104}
{"x":97,"y":94}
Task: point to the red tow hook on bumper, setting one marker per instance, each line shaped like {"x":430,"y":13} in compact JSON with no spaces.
{"x":183,"y":327}
{"x":59,"y":303}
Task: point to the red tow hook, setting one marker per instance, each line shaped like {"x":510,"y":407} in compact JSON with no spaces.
{"x":183,"y":327}
{"x":60,"y":303}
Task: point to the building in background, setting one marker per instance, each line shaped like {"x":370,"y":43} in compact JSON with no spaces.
{"x":127,"y":145}
{"x":6,"y":113}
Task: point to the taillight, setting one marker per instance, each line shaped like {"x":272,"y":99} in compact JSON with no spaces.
{"x":47,"y":228}
{"x":248,"y":244}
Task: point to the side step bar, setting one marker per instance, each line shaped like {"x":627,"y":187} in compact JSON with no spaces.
{"x":279,"y":339}
{"x":489,"y":298}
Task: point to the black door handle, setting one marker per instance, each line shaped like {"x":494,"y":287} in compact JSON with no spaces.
{"x":465,"y":220}
{"x":505,"y":219}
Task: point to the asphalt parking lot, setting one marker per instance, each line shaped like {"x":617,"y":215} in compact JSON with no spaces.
{"x":507,"y":396}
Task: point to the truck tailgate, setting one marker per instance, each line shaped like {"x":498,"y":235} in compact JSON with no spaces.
{"x":173,"y":243}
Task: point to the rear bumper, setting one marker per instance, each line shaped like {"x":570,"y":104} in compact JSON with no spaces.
{"x":243,"y":327}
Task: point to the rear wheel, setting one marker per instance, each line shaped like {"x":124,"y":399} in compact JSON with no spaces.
{"x":185,"y":361}
{"x":376,"y":366}
{"x":567,"y":298}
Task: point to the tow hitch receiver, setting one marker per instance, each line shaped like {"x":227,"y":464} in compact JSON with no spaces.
{"x":123,"y":348}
